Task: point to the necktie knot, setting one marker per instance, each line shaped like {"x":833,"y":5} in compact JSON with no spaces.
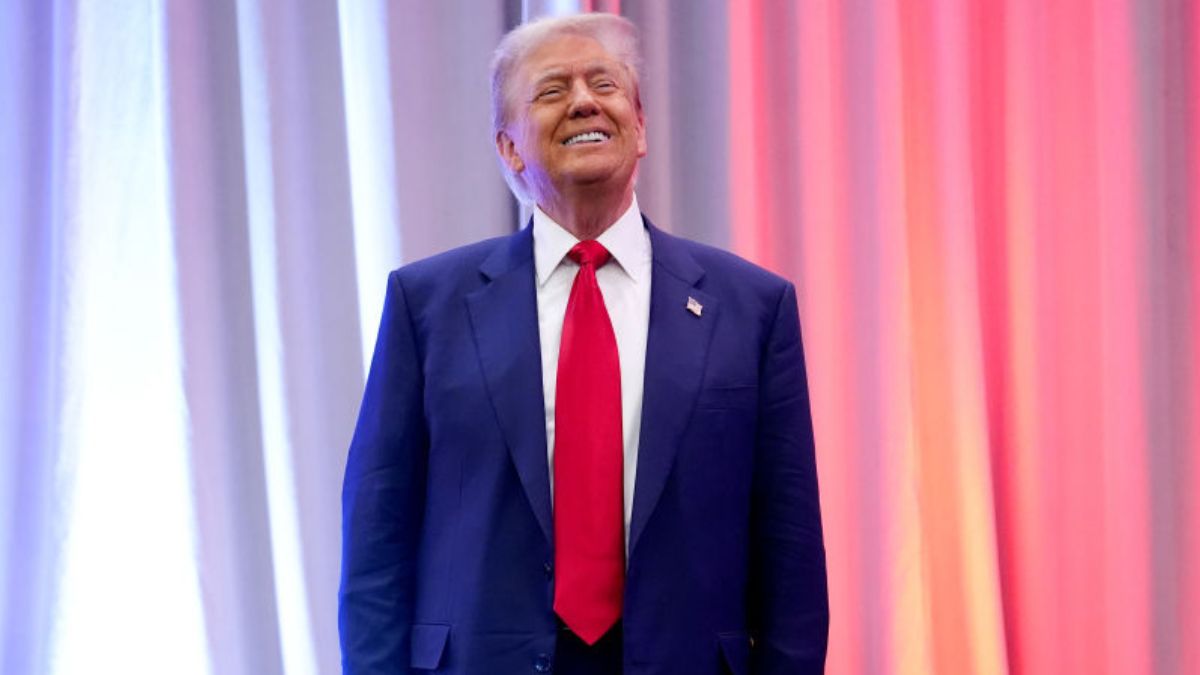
{"x":590,"y":252}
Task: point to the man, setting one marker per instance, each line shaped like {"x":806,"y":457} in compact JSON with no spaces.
{"x":585,"y":447}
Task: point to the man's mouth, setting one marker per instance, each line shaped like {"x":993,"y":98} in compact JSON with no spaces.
{"x":587,"y":137}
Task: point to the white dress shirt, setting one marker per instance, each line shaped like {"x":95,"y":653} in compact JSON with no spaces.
{"x":625,"y":284}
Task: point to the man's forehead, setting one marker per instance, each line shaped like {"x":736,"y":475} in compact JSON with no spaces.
{"x":568,"y":52}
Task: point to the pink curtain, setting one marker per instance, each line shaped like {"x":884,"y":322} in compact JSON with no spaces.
{"x":991,"y":211}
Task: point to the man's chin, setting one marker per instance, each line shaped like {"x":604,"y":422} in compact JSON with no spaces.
{"x":596,"y":178}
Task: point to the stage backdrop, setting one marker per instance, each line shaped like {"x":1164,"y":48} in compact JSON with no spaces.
{"x":989,"y":208}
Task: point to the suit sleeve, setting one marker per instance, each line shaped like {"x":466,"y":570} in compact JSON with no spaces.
{"x":789,"y":605}
{"x":382,"y":501}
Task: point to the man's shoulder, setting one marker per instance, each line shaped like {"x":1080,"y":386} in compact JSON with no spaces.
{"x":440,"y":278}
{"x":724,"y":267}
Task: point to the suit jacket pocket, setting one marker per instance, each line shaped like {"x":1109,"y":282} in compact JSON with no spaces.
{"x":428,"y":644}
{"x":735,"y":648}
{"x":739,"y":397}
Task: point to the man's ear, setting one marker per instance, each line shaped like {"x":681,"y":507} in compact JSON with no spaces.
{"x":641,"y":117}
{"x":508,"y":152}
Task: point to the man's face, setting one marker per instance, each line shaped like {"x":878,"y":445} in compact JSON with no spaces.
{"x":573,"y":121}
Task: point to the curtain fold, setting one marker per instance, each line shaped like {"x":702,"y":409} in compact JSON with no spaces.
{"x":33,"y":61}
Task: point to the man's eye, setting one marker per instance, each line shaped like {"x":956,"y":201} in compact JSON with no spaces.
{"x":549,"y":92}
{"x":605,"y":85}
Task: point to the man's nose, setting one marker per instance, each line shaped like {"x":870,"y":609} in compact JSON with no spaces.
{"x":583,"y":101}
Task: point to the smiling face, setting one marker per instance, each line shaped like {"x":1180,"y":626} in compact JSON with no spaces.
{"x":573,"y":121}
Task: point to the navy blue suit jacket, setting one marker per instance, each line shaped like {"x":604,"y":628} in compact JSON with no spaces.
{"x":447,"y":527}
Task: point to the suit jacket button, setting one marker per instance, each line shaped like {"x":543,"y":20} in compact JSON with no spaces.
{"x":548,"y":569}
{"x":542,"y":663}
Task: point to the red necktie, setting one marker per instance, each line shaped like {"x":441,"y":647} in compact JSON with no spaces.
{"x":589,"y":518}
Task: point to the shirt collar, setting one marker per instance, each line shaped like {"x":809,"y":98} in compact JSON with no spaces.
{"x":626,"y":240}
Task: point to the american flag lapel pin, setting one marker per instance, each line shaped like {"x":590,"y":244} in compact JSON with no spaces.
{"x":694,"y":306}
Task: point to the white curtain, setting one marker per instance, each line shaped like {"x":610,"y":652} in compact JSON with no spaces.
{"x":201,"y":200}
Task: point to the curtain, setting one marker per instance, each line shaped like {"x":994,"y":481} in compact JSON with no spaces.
{"x":990,"y":210}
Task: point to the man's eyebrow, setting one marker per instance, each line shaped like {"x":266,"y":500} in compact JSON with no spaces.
{"x":550,"y":75}
{"x":558,"y":73}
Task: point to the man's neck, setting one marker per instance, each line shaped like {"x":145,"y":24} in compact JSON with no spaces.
{"x":588,"y":215}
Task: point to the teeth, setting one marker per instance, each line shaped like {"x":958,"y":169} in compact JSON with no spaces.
{"x":589,"y":137}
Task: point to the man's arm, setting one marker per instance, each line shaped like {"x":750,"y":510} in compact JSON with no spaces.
{"x":789,"y":602}
{"x":383,"y":499}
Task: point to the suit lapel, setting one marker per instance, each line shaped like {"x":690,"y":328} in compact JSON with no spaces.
{"x":676,"y":350}
{"x":505,"y":325}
